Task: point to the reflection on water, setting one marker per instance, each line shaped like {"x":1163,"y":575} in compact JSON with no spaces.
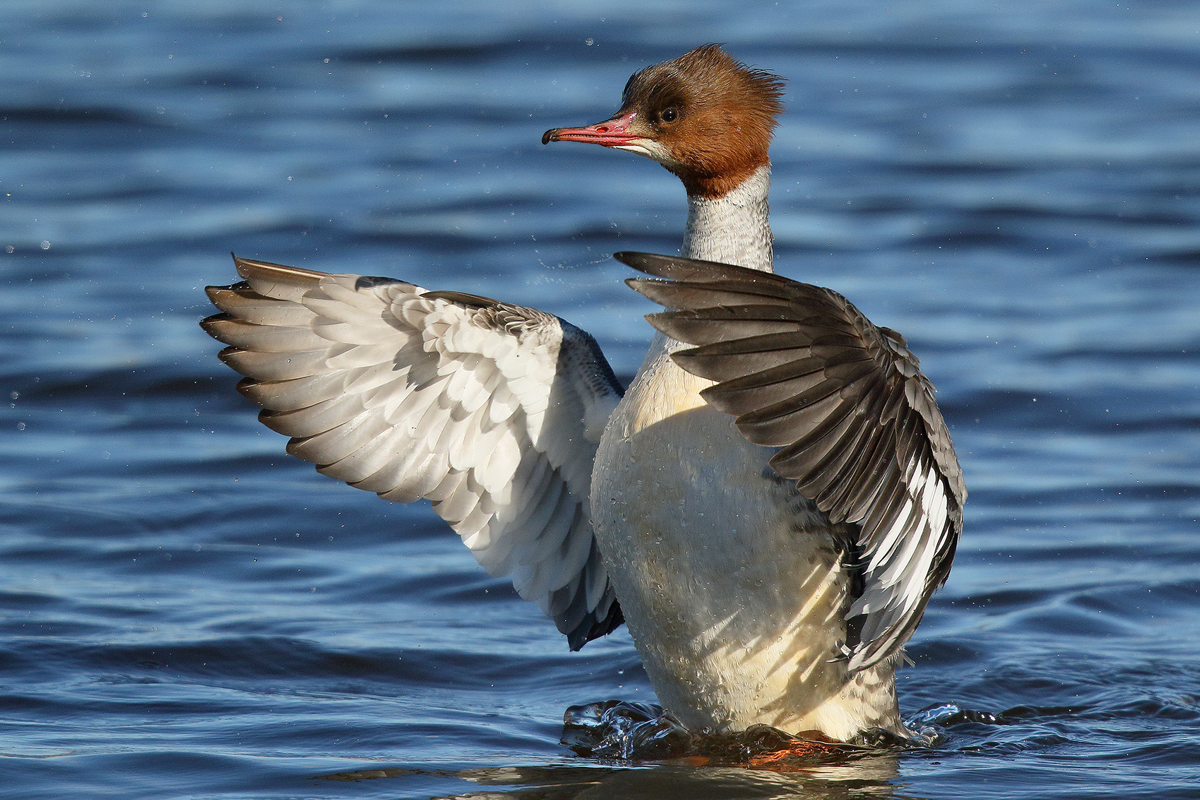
{"x":866,"y":777}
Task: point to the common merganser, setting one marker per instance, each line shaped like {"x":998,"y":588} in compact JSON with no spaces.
{"x":770,"y":505}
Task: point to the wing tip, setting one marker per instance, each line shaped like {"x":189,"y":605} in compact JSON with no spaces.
{"x":632,"y":258}
{"x":592,"y":628}
{"x":254,"y":270}
{"x":658,"y":265}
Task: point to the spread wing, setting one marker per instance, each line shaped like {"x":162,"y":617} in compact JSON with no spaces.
{"x":491,"y":411}
{"x":803,"y":370}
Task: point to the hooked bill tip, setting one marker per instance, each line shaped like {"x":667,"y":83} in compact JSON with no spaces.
{"x":550,"y":136}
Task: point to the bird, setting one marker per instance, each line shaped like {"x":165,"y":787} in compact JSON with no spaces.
{"x":768,"y":507}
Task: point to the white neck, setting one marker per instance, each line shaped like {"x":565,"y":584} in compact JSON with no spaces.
{"x":732,"y":229}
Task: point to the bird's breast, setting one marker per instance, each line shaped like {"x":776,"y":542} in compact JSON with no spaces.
{"x":731,"y":585}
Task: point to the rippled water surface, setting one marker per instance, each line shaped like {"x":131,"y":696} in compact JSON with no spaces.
{"x":186,"y":612}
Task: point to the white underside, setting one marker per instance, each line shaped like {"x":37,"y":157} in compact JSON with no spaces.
{"x":733,"y":587}
{"x":733,"y":591}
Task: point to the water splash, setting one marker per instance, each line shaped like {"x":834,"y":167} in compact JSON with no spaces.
{"x":624,"y":730}
{"x":628,"y":731}
{"x":927,"y":724}
{"x":945,"y":714}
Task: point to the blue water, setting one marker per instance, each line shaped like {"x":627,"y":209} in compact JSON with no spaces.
{"x":187,"y":612}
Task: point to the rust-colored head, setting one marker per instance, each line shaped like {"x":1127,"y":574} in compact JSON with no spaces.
{"x":704,"y":116}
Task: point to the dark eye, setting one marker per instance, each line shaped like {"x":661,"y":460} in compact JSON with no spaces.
{"x":670,"y":115}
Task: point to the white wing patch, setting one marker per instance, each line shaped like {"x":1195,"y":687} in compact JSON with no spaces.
{"x":898,"y":570}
